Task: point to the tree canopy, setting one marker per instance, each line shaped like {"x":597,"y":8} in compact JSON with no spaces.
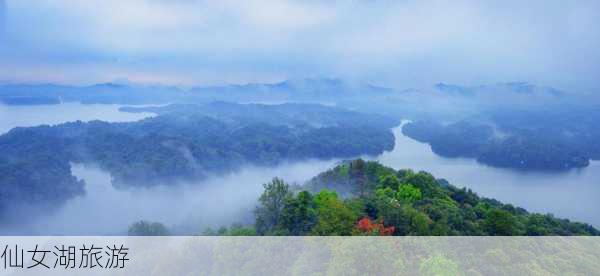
{"x":394,"y":203}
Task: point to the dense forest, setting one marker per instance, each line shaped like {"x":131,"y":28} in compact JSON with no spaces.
{"x":184,"y":142}
{"x":552,"y":139}
{"x":366,"y":198}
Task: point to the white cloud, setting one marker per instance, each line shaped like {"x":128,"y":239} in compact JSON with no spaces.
{"x":402,"y":43}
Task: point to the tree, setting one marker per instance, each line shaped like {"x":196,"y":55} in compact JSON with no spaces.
{"x":408,"y":193}
{"x":366,"y":227}
{"x":386,"y":193}
{"x":357,"y":172}
{"x":389,"y":181}
{"x":272,"y":202}
{"x":146,"y":228}
{"x":299,"y":214}
{"x":499,"y":222}
{"x":240,"y":230}
{"x":334,"y":218}
{"x":405,"y":219}
{"x":426,"y":183}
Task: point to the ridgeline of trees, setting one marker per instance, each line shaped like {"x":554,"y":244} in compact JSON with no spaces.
{"x":545,"y":140}
{"x":367,"y":198}
{"x":185,"y":142}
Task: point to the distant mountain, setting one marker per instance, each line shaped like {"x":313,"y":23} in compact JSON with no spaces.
{"x":105,"y":93}
{"x":506,"y":88}
{"x":299,"y":90}
{"x":446,"y":102}
{"x":454,"y":89}
{"x":292,"y":90}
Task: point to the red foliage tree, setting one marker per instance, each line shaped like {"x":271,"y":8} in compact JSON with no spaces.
{"x":368,"y":227}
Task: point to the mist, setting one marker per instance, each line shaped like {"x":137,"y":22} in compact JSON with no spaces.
{"x":185,"y":208}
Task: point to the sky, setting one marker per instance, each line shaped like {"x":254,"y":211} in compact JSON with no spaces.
{"x":402,"y":44}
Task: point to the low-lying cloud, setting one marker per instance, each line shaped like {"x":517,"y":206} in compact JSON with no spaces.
{"x":185,"y":208}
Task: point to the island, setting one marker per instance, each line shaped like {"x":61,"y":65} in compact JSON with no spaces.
{"x":183,"y":142}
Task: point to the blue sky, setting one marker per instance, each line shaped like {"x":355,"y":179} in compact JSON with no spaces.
{"x":395,"y":43}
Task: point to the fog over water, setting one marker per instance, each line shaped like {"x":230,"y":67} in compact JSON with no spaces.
{"x":34,"y":115}
{"x":190,"y":207}
{"x":185,"y":207}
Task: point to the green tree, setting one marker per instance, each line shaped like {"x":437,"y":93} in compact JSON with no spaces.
{"x":386,"y":193}
{"x":146,"y":228}
{"x":406,"y":219}
{"x":272,"y":202}
{"x":334,"y":218}
{"x":299,"y":214}
{"x":499,"y":222}
{"x":408,"y":193}
{"x":357,"y":173}
{"x":389,"y":181}
{"x":536,"y":225}
{"x":426,"y":183}
{"x":240,"y":230}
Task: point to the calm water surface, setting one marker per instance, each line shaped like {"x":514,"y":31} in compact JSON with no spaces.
{"x":26,"y":116}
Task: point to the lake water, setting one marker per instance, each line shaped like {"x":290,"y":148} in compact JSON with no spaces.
{"x":25,"y":116}
{"x":572,"y":194}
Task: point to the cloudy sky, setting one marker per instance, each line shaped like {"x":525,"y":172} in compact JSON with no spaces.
{"x":396,"y":43}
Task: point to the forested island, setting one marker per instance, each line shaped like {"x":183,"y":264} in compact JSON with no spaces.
{"x":360,"y":197}
{"x":552,"y":139}
{"x":184,"y":142}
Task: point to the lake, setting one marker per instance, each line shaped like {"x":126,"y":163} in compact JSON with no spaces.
{"x":34,"y":115}
{"x":573,"y":195}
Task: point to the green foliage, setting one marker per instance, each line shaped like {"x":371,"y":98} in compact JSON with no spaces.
{"x":426,"y":183}
{"x":334,"y":218}
{"x":409,"y":193}
{"x":272,"y":203}
{"x":389,"y":181}
{"x":299,"y":214}
{"x":344,"y":170}
{"x":499,"y":222}
{"x":555,"y":139}
{"x":386,"y":193}
{"x":412,"y":203}
{"x":146,"y":228}
{"x":184,"y":142}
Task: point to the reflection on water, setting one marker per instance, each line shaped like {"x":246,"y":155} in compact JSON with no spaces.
{"x":572,"y":194}
{"x":26,"y":116}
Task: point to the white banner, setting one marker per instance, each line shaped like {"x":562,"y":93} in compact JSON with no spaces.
{"x":203,"y":255}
